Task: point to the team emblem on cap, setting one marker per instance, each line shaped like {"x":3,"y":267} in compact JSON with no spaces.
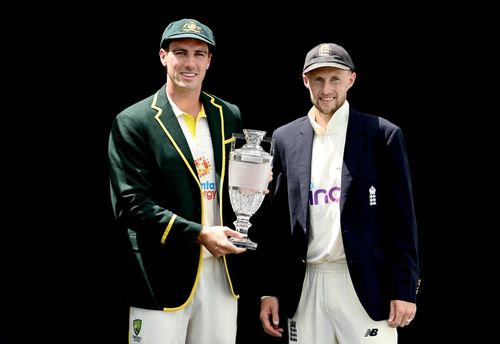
{"x":324,"y":50}
{"x":191,"y":27}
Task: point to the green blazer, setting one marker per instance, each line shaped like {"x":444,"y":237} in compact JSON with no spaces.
{"x":157,"y":197}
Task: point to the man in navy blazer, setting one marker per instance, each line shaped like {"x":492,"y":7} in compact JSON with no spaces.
{"x":339,"y":241}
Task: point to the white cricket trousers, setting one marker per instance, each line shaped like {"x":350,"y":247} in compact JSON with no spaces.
{"x":329,"y":311}
{"x":210,"y":317}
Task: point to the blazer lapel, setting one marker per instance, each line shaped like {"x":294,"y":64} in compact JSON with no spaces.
{"x":303,"y":147}
{"x":215,"y":120}
{"x":173,"y":131}
{"x":220,"y":139}
{"x":353,"y":143}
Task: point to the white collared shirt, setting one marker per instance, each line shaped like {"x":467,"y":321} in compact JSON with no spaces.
{"x":325,"y":240}
{"x":197,"y":133}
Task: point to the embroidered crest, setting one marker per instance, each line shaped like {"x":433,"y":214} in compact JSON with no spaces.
{"x":137,"y":324}
{"x":373,"y":196}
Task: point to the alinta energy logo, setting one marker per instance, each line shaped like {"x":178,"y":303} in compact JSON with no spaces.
{"x":321,"y":196}
{"x":202,"y":166}
{"x":209,"y":187}
{"x":137,"y":325}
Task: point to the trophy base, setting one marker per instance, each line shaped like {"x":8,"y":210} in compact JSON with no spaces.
{"x":243,"y":242}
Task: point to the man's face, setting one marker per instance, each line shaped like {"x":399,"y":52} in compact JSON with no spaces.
{"x":328,"y":87}
{"x":187,"y":61}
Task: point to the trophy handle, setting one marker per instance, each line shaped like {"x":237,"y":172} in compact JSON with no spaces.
{"x":269,"y":140}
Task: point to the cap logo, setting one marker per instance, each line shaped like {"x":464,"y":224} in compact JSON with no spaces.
{"x":324,"y":50}
{"x":191,"y":27}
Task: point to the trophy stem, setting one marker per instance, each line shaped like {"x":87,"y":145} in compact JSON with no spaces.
{"x":242,"y":224}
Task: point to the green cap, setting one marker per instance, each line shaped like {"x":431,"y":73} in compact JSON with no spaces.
{"x":188,"y":28}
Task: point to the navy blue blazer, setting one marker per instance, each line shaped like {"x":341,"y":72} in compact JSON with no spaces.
{"x":380,"y":240}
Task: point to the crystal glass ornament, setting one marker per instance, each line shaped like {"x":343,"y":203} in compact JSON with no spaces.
{"x":249,"y":172}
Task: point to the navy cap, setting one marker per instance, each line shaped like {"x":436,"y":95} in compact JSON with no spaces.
{"x":327,"y":55}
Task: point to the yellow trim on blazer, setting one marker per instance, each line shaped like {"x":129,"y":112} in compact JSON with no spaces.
{"x":157,"y":117}
{"x":183,"y":157}
{"x":193,"y":290}
{"x":223,"y":172}
{"x":222,"y":175}
{"x":195,"y":176}
{"x":229,"y":140}
{"x":167,"y":230}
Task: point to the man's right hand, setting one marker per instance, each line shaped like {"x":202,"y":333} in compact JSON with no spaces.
{"x":215,"y":239}
{"x":269,"y":316}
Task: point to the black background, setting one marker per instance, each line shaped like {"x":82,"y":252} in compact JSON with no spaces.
{"x":73,"y":69}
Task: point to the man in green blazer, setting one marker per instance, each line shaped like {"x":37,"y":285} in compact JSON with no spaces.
{"x":168,"y":158}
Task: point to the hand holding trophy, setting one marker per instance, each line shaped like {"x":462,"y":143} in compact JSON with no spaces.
{"x":249,"y":171}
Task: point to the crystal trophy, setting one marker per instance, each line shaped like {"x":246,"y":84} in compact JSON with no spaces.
{"x":249,"y":172}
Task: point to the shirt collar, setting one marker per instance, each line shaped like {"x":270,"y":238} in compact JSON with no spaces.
{"x":336,"y":123}
{"x":178,"y":112}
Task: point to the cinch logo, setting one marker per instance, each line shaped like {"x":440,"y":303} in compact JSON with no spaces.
{"x":322,"y":196}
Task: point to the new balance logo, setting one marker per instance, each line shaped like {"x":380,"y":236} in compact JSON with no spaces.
{"x":371,"y":332}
